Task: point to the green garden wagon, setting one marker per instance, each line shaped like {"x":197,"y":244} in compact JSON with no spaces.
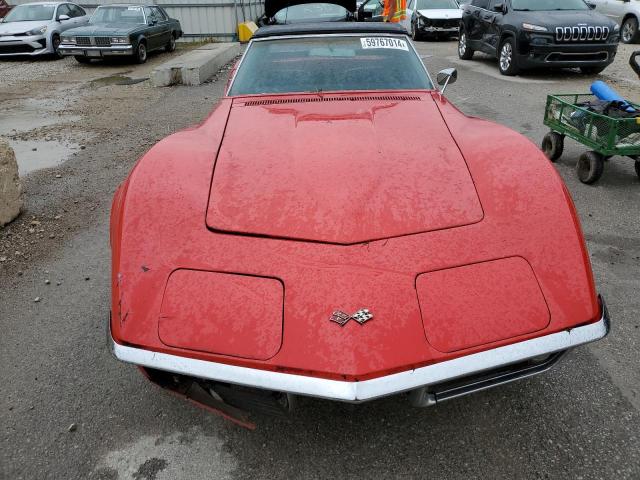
{"x":606,"y":136}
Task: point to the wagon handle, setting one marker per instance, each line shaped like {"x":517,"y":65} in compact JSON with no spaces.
{"x":634,"y":61}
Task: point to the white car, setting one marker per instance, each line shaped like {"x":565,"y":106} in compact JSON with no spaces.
{"x":435,"y":18}
{"x":35,"y":28}
{"x":626,"y":13}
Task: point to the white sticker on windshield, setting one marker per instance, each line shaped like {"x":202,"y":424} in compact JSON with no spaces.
{"x":137,"y":9}
{"x":384,"y":42}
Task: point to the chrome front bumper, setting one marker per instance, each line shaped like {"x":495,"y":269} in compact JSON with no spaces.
{"x":432,"y":375}
{"x":97,"y":52}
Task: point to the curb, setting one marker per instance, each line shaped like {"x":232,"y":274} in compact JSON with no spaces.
{"x":195,"y":67}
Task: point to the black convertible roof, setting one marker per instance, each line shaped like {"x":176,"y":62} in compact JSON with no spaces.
{"x":329,"y":27}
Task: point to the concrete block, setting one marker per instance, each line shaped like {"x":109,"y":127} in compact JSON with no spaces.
{"x":196,"y":66}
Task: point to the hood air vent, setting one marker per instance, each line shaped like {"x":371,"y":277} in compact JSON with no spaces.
{"x":280,"y":101}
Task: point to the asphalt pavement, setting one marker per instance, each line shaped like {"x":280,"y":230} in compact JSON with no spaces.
{"x":68,"y":410}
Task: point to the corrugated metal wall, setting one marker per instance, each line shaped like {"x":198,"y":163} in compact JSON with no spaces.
{"x":200,"y":19}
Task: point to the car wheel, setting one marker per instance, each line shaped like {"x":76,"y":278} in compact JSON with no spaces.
{"x":464,"y":52}
{"x":590,"y":167}
{"x":55,"y":43}
{"x":82,"y":59}
{"x":171,"y":46}
{"x":553,"y":145}
{"x":591,"y":70}
{"x":507,"y":58}
{"x":638,"y":168}
{"x":629,"y":31}
{"x":141,"y":53}
{"x":415,"y":35}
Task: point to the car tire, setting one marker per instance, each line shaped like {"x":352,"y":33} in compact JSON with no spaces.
{"x":629,"y":31}
{"x":637,"y":165}
{"x":590,"y":167}
{"x":415,"y":35}
{"x":171,"y":46}
{"x":464,"y":52}
{"x":140,"y":55}
{"x":506,"y":57}
{"x":55,"y":43}
{"x":553,"y":145}
{"x":82,"y":59}
{"x":592,"y":70}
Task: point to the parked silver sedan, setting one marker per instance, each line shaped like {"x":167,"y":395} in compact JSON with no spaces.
{"x":35,"y":28}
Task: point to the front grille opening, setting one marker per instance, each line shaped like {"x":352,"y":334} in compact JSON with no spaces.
{"x":280,"y":101}
{"x":492,"y":378}
{"x":83,"y":41}
{"x":234,"y":400}
{"x":582,"y":34}
{"x":441,"y":23}
{"x":103,"y":41}
{"x":577,"y":57}
{"x":16,"y":49}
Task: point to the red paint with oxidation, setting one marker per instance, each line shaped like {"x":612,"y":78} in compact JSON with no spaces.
{"x":293,"y":187}
{"x":376,"y":220}
{"x":485,"y":302}
{"x":237,"y":315}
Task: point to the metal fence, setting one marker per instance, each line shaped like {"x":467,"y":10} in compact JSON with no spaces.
{"x":200,"y":19}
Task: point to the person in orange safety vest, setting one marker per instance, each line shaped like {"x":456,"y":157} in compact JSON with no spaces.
{"x":394,"y":10}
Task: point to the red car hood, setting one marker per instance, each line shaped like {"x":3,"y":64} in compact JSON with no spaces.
{"x":357,"y":170}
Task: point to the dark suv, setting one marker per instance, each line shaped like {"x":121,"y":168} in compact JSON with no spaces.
{"x":539,"y":33}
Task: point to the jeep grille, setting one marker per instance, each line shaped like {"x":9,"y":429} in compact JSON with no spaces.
{"x":582,"y":34}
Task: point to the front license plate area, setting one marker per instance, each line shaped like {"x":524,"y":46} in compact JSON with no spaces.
{"x":93,"y":53}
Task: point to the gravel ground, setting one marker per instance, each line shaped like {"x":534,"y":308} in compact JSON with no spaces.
{"x":70,"y":411}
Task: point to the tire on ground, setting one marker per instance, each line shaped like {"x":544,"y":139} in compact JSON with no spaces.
{"x":140,"y":55}
{"x":464,"y":51}
{"x":507,"y":57}
{"x":629,"y":30}
{"x":553,"y":145}
{"x":590,"y":167}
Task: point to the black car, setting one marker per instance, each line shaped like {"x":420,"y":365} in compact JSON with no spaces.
{"x":122,"y":30}
{"x":525,"y":34}
{"x":285,"y":12}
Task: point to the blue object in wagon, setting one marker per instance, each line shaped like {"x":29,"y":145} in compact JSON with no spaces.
{"x":605,"y":92}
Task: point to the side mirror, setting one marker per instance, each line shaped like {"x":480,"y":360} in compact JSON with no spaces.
{"x":362,"y":13}
{"x":152,"y":23}
{"x":498,"y":7}
{"x":62,"y":18}
{"x":445,"y":77}
{"x":592,"y":6}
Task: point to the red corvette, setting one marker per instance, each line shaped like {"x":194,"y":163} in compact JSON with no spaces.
{"x":337,"y":229}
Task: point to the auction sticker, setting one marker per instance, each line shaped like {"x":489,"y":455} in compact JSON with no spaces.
{"x":384,"y":42}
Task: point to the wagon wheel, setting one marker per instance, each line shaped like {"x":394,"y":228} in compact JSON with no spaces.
{"x":553,"y":145}
{"x":590,"y":167}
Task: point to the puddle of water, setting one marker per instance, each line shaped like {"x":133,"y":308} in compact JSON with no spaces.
{"x":45,"y":155}
{"x":12,"y":122}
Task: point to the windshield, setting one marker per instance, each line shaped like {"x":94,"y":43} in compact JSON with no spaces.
{"x":132,"y":15}
{"x":539,"y":5}
{"x":436,"y":4}
{"x":312,"y":12}
{"x":330,"y":63}
{"x":31,"y":13}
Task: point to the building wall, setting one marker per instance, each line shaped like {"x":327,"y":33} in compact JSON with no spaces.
{"x":200,"y":19}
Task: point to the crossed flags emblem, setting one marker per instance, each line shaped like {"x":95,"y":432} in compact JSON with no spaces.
{"x":361,"y":316}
